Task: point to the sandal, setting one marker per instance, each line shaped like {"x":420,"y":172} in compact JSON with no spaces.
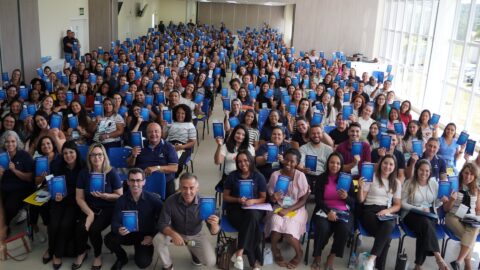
{"x":442,"y":265}
{"x":293,"y":263}
{"x":315,"y":266}
{"x":279,"y":260}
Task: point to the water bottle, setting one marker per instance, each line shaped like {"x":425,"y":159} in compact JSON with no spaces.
{"x":352,"y":261}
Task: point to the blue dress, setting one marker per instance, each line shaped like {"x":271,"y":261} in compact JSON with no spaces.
{"x":447,"y":152}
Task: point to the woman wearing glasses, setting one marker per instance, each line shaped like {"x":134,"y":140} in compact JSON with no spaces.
{"x":96,"y":203}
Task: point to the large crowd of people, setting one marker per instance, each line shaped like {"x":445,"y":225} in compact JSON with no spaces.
{"x":297,"y":125}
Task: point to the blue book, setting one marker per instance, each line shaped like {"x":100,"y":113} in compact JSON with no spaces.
{"x":145,"y":113}
{"x":357,"y":148}
{"x":97,"y":182}
{"x":218,"y":130}
{"x":149,"y":100}
{"x":3,"y":94}
{"x":396,"y":104}
{"x":233,"y":121}
{"x":167,"y":116}
{"x":320,"y":107}
{"x":417,"y":147}
{"x":344,"y":181}
{"x":346,"y":97}
{"x":207,"y":207}
{"x":136,"y":139}
{"x":443,"y":189}
{"x":470,"y":148}
{"x":286,"y":100}
{"x":224,"y":92}
{"x":272,"y":151}
{"x":57,"y":185}
{"x":97,"y":109}
{"x":31,"y":109}
{"x":454,"y":184}
{"x":130,"y":220}
{"x":92,"y":78}
{"x":383,"y":122}
{"x":69,"y":96}
{"x":82,"y":99}
{"x":122,"y":110}
{"x":5,"y":76}
{"x":398,"y":126}
{"x":367,"y":171}
{"x":292,"y":110}
{"x":73,"y":121}
{"x":55,"y":121}
{"x":389,"y":68}
{"x":385,"y":141}
{"x":316,"y":118}
{"x":434,"y":120}
{"x":160,"y":97}
{"x":4,"y":160}
{"x":245,"y":189}
{"x":124,"y":87}
{"x":199,"y":98}
{"x":463,"y":138}
{"x":312,"y":95}
{"x":41,"y":165}
{"x":311,"y":162}
{"x":128,"y":98}
{"x":347,"y":110}
{"x":226,"y":104}
{"x":23,"y":92}
{"x":269,"y":93}
{"x":282,"y":184}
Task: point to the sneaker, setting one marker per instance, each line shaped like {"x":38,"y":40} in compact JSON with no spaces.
{"x":168,"y":267}
{"x":40,"y":236}
{"x":455,"y":265}
{"x":237,"y":262}
{"x":369,"y":265}
{"x":195,"y":260}
{"x":21,"y":216}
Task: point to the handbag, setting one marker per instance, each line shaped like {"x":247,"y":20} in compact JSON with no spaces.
{"x":225,"y":250}
{"x":16,"y":247}
{"x":402,"y":261}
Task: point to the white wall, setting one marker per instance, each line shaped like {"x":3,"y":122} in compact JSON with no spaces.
{"x":129,"y":25}
{"x":288,"y":23}
{"x":325,"y":25}
{"x":54,"y":20}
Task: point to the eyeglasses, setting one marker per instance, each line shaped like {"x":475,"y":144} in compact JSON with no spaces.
{"x":135,"y":180}
{"x":96,"y":155}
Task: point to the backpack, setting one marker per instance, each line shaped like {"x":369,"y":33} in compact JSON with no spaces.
{"x":225,"y":250}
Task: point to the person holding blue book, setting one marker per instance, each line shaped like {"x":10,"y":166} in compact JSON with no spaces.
{"x":82,"y":132}
{"x":381,"y":201}
{"x":468,"y":197}
{"x":235,"y":111}
{"x":262,"y":101}
{"x":97,"y":207}
{"x":109,"y":127}
{"x":449,"y":150}
{"x":41,"y":129}
{"x":381,"y":109}
{"x":275,"y":119}
{"x":135,"y":121}
{"x":439,"y":166}
{"x":246,"y":221}
{"x":141,"y":228}
{"x":378,"y":153}
{"x":265,"y":160}
{"x":290,"y":216}
{"x":419,"y":207}
{"x":333,"y":213}
{"x":353,"y":163}
{"x":428,"y":130}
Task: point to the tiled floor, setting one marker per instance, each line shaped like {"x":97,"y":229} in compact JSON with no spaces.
{"x":208,"y":174}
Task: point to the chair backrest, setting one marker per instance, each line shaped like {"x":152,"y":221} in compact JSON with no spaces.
{"x":156,"y":183}
{"x":83,"y":149}
{"x":206,"y":106}
{"x":118,"y":156}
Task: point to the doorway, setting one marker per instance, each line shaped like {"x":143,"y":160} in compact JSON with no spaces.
{"x":80,"y":27}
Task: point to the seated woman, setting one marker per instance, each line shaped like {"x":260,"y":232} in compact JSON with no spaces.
{"x":428,"y":130}
{"x":135,"y":121}
{"x":420,"y":194}
{"x":81,"y":134}
{"x":381,"y":198}
{"x":16,"y":182}
{"x":236,"y":111}
{"x":274,"y":120}
{"x":250,"y":122}
{"x":329,"y":201}
{"x":64,"y":211}
{"x":97,"y":207}
{"x":109,"y":127}
{"x":182,"y":134}
{"x":449,"y":149}
{"x":290,"y":220}
{"x":247,"y":222}
{"x":261,"y":156}
{"x":42,"y":128}
{"x":301,"y":135}
{"x":468,"y":196}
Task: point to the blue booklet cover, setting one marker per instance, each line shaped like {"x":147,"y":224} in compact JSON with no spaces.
{"x":97,"y":182}
{"x":4,"y":160}
{"x":434,"y":120}
{"x":199,"y":98}
{"x":73,"y":121}
{"x":82,"y":99}
{"x":269,"y":93}
{"x":396,"y":104}
{"x":145,"y":113}
{"x":282,"y":184}
{"x":398,"y":126}
{"x":368,"y":170}
{"x":55,"y":121}
{"x":454,"y":184}
{"x":443,"y":189}
{"x":245,"y":189}
{"x":292,"y":110}
{"x":122,"y":110}
{"x":233,"y":121}
{"x":167,"y":116}
{"x":31,"y":109}
{"x":149,"y":100}
{"x":344,"y":181}
{"x":130,"y":220}
{"x":224,"y":92}
{"x":311,"y":162}
{"x":226,"y":104}
{"x":136,"y":139}
{"x":57,"y":185}
{"x":69,"y":96}
{"x":384,"y":123}
{"x":347,"y":110}
{"x":97,"y":109}
{"x":286,"y":100}
{"x":312,"y":95}
{"x":357,"y":148}
{"x":160,"y":97}
{"x":346,"y":97}
{"x":385,"y":142}
{"x":463,"y":138}
{"x":41,"y":165}
{"x":272,"y":151}
{"x":207,"y":207}
{"x":470,"y":148}
{"x":316,"y":118}
{"x":128,"y":98}
{"x":417,"y":147}
{"x":218,"y":130}
{"x":3,"y":94}
{"x":23,"y":92}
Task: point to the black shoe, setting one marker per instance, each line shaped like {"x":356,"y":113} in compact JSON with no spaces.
{"x":57,"y":266}
{"x":119,"y":264}
{"x":168,"y":267}
{"x":47,"y":260}
{"x":455,"y":265}
{"x":77,"y":266}
{"x":195,"y":260}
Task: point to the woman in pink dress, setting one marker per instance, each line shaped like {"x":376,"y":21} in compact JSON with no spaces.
{"x":289,"y":217}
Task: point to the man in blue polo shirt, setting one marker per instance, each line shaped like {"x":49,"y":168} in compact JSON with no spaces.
{"x":159,"y":155}
{"x":439,"y":166}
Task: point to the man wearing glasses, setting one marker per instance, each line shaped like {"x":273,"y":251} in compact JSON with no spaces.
{"x":136,"y":210}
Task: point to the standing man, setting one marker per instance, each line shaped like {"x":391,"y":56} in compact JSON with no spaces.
{"x":147,"y":206}
{"x":181,"y":225}
{"x":68,"y":44}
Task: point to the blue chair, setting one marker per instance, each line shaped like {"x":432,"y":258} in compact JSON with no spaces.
{"x":83,"y":151}
{"x":118,"y":156}
{"x":205,"y":119}
{"x":156,"y":183}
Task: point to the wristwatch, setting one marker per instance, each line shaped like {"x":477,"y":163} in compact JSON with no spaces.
{"x":158,"y":168}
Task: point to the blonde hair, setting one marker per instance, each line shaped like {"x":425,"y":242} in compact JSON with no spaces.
{"x":472,"y":187}
{"x":106,"y":168}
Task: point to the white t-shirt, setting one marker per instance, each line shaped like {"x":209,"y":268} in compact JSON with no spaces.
{"x":108,"y":125}
{"x":381,"y":195}
{"x":365,"y":124}
{"x":229,"y":162}
{"x":321,"y":153}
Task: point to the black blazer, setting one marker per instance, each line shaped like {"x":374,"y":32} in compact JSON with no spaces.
{"x":322,"y":180}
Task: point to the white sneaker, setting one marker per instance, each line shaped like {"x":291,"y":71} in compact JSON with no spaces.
{"x":237,"y":262}
{"x":369,"y":264}
{"x":21,"y":216}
